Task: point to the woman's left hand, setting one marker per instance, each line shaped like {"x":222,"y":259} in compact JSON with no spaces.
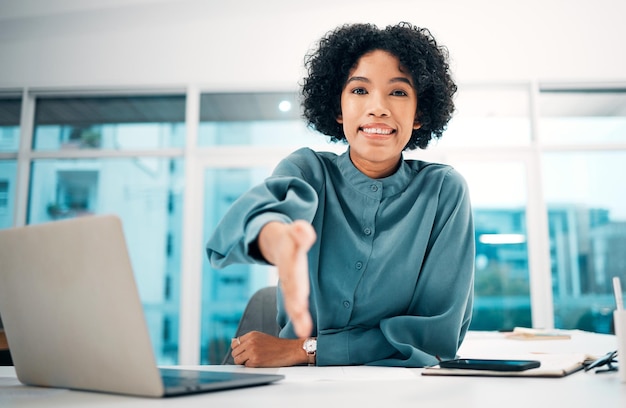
{"x":256,"y":349}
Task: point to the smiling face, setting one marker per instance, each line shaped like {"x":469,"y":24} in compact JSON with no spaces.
{"x":378,"y":106}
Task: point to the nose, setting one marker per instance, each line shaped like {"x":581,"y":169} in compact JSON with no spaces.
{"x":378,"y":106}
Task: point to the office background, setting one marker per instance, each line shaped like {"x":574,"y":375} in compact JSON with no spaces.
{"x":164,"y":112}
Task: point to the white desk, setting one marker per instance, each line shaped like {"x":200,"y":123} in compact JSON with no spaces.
{"x":378,"y":387}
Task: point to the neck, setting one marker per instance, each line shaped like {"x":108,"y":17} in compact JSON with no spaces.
{"x":377,"y":170}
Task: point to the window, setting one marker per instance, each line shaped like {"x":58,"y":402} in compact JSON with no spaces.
{"x":112,"y":122}
{"x":488,"y":122}
{"x":225,"y":292}
{"x":4,"y":196}
{"x":587,"y":221}
{"x":132,"y":171}
{"x":586,"y":202}
{"x":502,"y":290}
{"x":75,"y":193}
{"x":64,"y":188}
{"x":563,"y":151}
{"x":10,"y":107}
{"x":259,"y":119}
{"x":489,"y":116}
{"x":585,"y":117}
{"x":248,"y":121}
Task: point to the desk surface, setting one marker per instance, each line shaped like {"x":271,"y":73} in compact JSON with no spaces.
{"x":379,"y":386}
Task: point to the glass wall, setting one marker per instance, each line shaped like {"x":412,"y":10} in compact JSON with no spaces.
{"x":10,"y":110}
{"x":586,"y":197}
{"x":582,"y":117}
{"x":8,"y":172}
{"x":245,"y":121}
{"x":225,"y":292}
{"x":502,"y":285}
{"x":489,"y":123}
{"x":109,"y":123}
{"x":128,"y":154}
{"x":489,"y":116}
{"x":253,"y":119}
{"x":587,"y":218}
{"x":144,"y":188}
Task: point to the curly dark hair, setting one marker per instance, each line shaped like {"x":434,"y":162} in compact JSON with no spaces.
{"x":339,"y":51}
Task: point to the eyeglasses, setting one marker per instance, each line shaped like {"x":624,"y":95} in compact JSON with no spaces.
{"x":608,"y":359}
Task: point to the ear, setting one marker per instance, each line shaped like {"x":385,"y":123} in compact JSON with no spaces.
{"x":416,"y":125}
{"x":340,"y":119}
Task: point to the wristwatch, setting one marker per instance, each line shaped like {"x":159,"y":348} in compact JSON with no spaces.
{"x":310,"y":346}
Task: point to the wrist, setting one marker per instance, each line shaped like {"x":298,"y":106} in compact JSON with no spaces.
{"x":267,"y":239}
{"x":309,"y":346}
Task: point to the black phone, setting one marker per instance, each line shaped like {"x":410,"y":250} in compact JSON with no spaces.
{"x":493,"y":365}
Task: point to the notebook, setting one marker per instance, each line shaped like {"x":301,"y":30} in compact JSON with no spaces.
{"x":552,"y":365}
{"x":73,"y":317}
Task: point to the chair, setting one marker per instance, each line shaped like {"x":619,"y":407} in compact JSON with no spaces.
{"x":259,"y":315}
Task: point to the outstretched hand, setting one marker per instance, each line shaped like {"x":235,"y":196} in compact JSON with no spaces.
{"x":286,"y":246}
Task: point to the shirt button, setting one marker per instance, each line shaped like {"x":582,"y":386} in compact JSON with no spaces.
{"x":346,"y":304}
{"x":374,"y":187}
{"x":367,"y":231}
{"x":358,"y":265}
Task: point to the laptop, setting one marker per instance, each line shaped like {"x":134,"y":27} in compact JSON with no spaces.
{"x":73,"y":317}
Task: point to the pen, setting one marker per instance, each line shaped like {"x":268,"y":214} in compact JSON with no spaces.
{"x":617,"y":289}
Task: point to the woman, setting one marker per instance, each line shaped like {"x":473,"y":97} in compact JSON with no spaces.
{"x":374,"y":253}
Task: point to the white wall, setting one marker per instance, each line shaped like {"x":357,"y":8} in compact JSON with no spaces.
{"x":255,"y":45}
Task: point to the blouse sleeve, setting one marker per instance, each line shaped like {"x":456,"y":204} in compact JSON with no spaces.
{"x":440,"y":311}
{"x":279,"y":198}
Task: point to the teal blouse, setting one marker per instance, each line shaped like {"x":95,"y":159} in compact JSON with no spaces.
{"x":392,"y":268}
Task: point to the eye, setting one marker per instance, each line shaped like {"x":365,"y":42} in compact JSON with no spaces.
{"x":399,"y":92}
{"x":359,"y":91}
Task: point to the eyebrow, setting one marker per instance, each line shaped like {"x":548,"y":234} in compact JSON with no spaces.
{"x":391,"y":81}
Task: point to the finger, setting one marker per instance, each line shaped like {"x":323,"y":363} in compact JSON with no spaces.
{"x":239,"y":360}
{"x":238,"y":355}
{"x":236,"y":346}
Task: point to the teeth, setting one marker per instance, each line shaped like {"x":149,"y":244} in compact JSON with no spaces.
{"x":378,"y":131}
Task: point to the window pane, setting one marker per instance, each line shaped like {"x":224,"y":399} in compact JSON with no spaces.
{"x":582,"y":117}
{"x":254,"y":119}
{"x":502,"y":290}
{"x":271,"y":133}
{"x":8,"y":175}
{"x":489,"y":116}
{"x":10,"y":108}
{"x":147,"y":194}
{"x":586,"y":202}
{"x":225,"y":292}
{"x":118,"y":123}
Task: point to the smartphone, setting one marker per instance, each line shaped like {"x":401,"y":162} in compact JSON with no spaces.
{"x":493,"y":365}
